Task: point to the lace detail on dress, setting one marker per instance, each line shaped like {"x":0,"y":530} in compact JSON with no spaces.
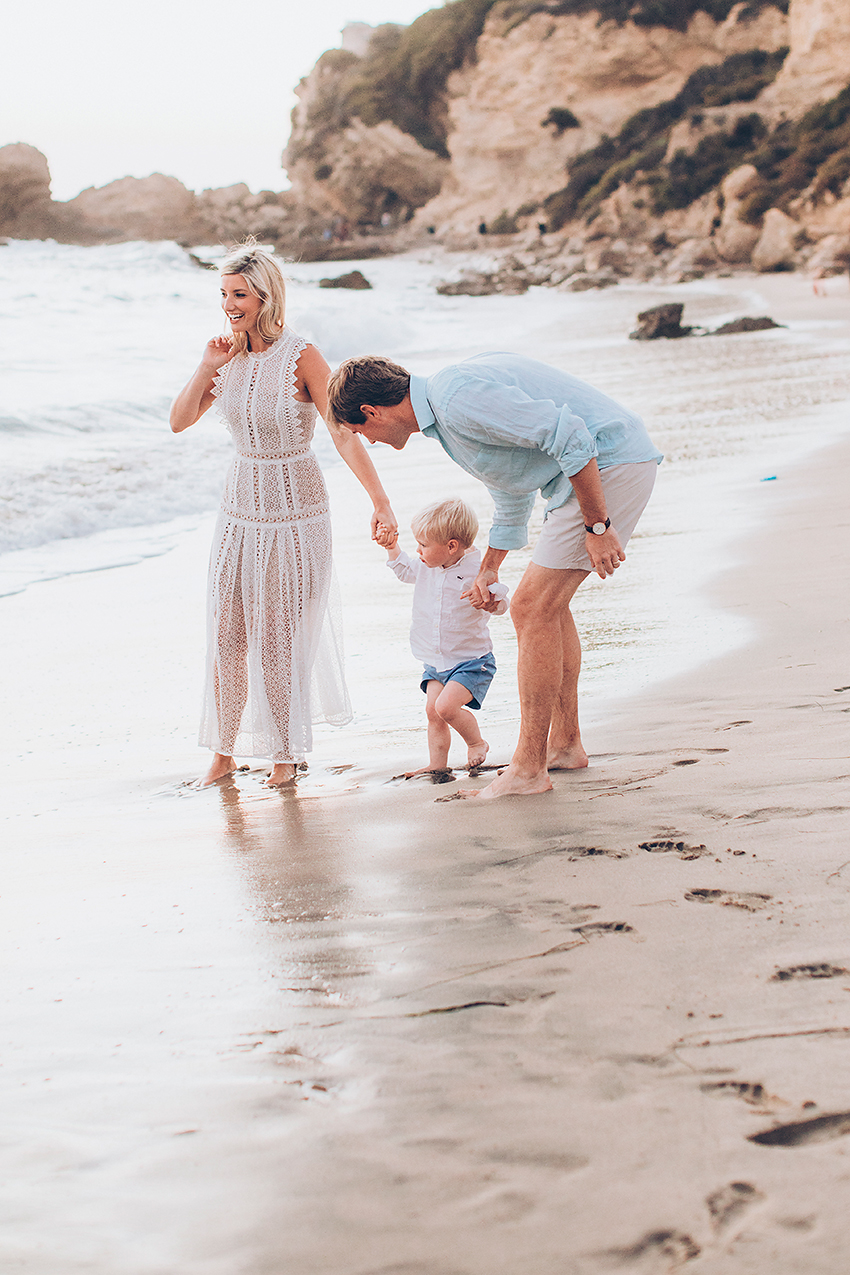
{"x":217,"y":387}
{"x":275,"y":652}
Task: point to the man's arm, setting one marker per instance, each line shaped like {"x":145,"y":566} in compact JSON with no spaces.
{"x":605,"y":551}
{"x":479,"y":592}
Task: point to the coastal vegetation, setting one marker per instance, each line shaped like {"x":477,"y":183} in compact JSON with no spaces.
{"x":403,"y":75}
{"x":639,"y":149}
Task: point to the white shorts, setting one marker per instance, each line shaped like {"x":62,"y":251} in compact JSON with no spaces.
{"x":627,"y":491}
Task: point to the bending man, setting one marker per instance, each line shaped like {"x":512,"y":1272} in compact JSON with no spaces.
{"x":521,"y":427}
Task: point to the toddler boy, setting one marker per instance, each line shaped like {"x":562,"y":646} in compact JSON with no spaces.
{"x":448,"y":634}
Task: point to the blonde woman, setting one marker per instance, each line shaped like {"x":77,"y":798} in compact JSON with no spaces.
{"x":274,"y":658}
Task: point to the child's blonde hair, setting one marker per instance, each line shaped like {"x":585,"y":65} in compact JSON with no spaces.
{"x":446,"y":520}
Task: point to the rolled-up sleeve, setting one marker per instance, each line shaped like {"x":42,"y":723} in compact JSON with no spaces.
{"x":511,"y":512}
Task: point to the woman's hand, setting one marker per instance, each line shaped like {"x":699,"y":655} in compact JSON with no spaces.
{"x":217,"y":352}
{"x":384,"y":522}
{"x":196,"y":397}
{"x":386,"y":536}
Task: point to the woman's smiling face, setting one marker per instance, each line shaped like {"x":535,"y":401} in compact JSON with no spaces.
{"x":239,"y":303}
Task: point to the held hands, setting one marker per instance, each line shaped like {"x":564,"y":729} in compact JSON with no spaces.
{"x":605,"y":552}
{"x":479,"y":591}
{"x":217,"y":352}
{"x":384,"y":524}
{"x":387,"y":537}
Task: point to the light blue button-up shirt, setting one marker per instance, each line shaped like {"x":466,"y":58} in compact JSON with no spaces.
{"x":521,"y":427}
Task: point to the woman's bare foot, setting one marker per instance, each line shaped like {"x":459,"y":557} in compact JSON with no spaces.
{"x":508,"y":783}
{"x":283,"y":772}
{"x":220,"y":769}
{"x":476,"y":754}
{"x":573,"y":758}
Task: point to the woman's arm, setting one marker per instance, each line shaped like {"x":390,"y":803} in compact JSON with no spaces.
{"x":197,"y":396}
{"x":313,"y":372}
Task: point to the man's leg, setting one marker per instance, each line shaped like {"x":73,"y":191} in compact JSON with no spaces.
{"x":566,"y":751}
{"x":549,"y":660}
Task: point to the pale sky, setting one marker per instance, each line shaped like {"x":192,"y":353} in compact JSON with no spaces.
{"x":197,"y":89}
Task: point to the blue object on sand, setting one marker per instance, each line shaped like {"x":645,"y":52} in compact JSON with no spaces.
{"x":771,"y":479}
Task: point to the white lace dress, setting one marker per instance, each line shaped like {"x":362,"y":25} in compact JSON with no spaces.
{"x":274,"y":652}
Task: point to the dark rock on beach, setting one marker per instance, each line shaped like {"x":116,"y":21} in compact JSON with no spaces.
{"x":354,"y":279}
{"x":660,"y":321}
{"x":477,"y":283}
{"x":746,"y":325}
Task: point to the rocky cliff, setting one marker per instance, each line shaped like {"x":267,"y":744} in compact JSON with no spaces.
{"x":676,"y":134}
{"x":155,"y":207}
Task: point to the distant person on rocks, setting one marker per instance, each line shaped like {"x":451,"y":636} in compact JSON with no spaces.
{"x":521,"y":426}
{"x":274,"y":651}
{"x":448,"y":633}
{"x":482,"y":227}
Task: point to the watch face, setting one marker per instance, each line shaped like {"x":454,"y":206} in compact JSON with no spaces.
{"x":599,"y":528}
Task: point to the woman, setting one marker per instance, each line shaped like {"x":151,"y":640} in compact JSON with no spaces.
{"x":274,"y":659}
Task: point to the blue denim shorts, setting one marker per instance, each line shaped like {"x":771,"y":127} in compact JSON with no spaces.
{"x":476,"y":675}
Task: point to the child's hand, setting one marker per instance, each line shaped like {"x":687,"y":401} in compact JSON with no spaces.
{"x":386,"y":536}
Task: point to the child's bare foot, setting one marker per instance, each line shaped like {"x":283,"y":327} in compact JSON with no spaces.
{"x":283,"y":772}
{"x":220,"y":769}
{"x":427,"y":770}
{"x":476,"y":754}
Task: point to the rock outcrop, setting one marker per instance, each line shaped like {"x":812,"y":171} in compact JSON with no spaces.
{"x":155,"y":207}
{"x":502,"y":154}
{"x":818,"y":62}
{"x":669,"y":127}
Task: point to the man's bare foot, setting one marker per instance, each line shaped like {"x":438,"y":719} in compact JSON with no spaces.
{"x":283,"y":772}
{"x":510,"y":784}
{"x":476,"y":754}
{"x":220,"y":769}
{"x":574,"y":758}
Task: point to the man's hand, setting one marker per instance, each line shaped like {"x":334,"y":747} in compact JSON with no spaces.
{"x":605,"y":552}
{"x":479,"y":591}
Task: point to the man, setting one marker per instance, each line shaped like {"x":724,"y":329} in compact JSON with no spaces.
{"x":521,"y":426}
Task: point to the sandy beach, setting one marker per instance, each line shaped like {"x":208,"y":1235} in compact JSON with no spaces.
{"x":362,"y":1028}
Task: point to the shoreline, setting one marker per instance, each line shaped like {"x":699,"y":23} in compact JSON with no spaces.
{"x":351,"y":1028}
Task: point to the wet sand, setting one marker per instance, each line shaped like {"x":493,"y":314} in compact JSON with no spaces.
{"x":357,"y":1029}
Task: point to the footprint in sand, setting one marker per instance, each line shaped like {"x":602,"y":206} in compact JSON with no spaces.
{"x":747,"y":900}
{"x":804,"y":1132}
{"x":596,"y":928}
{"x":681,"y":848}
{"x":755,"y":1095}
{"x":729,"y":1202}
{"x":658,"y":1251}
{"x":809,"y":971}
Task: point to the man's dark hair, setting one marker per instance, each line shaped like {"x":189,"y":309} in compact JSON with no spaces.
{"x":371,"y":379}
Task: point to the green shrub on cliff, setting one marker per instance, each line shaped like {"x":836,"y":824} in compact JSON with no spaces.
{"x":403,"y":76}
{"x":642,"y":142}
{"x":675,"y":14}
{"x":813,"y":151}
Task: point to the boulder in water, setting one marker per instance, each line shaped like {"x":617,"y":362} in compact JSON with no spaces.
{"x":746,"y":325}
{"x":660,"y":321}
{"x":354,"y":279}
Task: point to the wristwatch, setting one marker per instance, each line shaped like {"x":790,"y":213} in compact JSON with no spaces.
{"x":599,"y":528}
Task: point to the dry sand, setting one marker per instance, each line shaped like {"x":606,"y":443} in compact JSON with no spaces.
{"x":358,"y":1029}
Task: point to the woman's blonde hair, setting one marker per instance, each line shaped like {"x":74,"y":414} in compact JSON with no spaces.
{"x":265,"y":280}
{"x":446,"y":520}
